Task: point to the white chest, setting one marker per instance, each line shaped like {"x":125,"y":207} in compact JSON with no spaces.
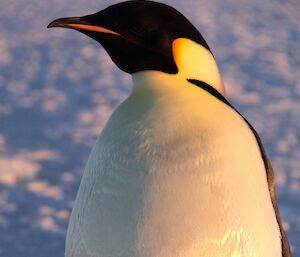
{"x":174,"y":178}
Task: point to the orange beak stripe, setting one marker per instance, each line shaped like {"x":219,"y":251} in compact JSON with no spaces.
{"x":92,"y":28}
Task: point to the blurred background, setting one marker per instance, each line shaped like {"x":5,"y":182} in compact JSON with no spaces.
{"x":58,"y":88}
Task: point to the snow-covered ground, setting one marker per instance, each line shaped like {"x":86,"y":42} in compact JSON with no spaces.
{"x":58,"y":87}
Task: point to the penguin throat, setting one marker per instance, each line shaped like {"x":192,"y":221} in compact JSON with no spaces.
{"x":195,"y":62}
{"x":156,"y":83}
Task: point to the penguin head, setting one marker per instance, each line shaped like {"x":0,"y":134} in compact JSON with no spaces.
{"x":143,"y":36}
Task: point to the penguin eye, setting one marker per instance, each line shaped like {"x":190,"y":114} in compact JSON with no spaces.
{"x":138,"y":30}
{"x":141,"y":30}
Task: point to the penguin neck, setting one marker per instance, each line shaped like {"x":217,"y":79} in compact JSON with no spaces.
{"x":156,"y":83}
{"x":193,"y":61}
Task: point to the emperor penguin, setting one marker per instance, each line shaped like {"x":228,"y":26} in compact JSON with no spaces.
{"x":177,"y":171}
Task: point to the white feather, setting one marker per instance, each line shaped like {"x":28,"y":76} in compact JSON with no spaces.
{"x":175,"y":173}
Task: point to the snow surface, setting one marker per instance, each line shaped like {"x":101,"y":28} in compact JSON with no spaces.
{"x":58,"y":87}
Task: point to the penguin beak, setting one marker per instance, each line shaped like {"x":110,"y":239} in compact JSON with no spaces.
{"x":78,"y":24}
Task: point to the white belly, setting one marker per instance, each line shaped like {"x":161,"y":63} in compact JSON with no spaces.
{"x":174,"y":179}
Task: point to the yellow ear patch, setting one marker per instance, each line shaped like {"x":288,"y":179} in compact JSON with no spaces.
{"x":195,"y":62}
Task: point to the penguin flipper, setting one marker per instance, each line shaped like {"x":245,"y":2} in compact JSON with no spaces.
{"x":286,"y":250}
{"x":285,"y":246}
